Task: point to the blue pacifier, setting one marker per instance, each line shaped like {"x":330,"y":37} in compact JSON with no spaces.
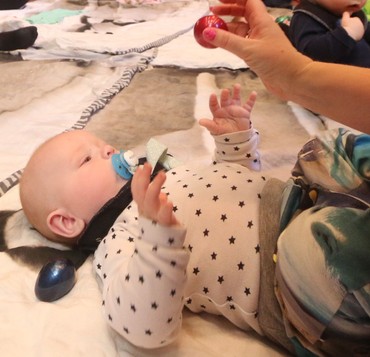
{"x":125,"y":164}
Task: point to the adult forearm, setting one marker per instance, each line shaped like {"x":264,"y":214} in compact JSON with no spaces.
{"x":337,"y":91}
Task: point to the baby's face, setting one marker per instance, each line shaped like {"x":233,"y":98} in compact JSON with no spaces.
{"x":338,"y":7}
{"x":84,"y":176}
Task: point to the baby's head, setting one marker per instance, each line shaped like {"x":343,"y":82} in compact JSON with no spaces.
{"x":338,"y":7}
{"x":66,"y":181}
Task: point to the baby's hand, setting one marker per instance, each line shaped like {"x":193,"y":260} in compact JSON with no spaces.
{"x":230,"y":115}
{"x":353,"y":26}
{"x":152,"y":203}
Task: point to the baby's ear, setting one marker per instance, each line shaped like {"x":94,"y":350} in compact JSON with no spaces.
{"x":64,"y":224}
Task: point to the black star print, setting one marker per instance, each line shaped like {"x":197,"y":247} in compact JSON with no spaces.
{"x":169,"y":320}
{"x":118,"y":300}
{"x":158,"y":274}
{"x":223,"y":217}
{"x":247,"y":291}
{"x":155,"y":248}
{"x":133,"y":307}
{"x":141,"y":279}
{"x":232,"y":240}
{"x":206,"y":232}
{"x":126,"y":330}
{"x":250,"y":224}
{"x":248,"y":155}
{"x":224,"y":176}
{"x":119,"y":251}
{"x":196,"y":271}
{"x":241,"y":204}
{"x":205,"y":290}
{"x":130,"y":239}
{"x":190,"y":247}
{"x":173,"y":263}
{"x":257,"y":248}
{"x":173,"y":292}
{"x":259,"y":196}
{"x":249,"y":181}
{"x":229,"y":298}
{"x":208,"y":185}
{"x":114,"y":236}
{"x":226,"y":140}
{"x":236,"y":148}
{"x":189,"y":301}
{"x":233,"y":188}
{"x":213,"y":256}
{"x":127,"y":277}
{"x":185,"y":186}
{"x":232,"y":307}
{"x":191,"y":195}
{"x":215,"y":198}
{"x":110,"y":317}
{"x":98,"y":266}
{"x":175,"y":208}
{"x":241,"y":266}
{"x":198,"y":212}
{"x":171,"y":240}
{"x":148,"y":332}
{"x":154,"y":305}
{"x":220,"y":279}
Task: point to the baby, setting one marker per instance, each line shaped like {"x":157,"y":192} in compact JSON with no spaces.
{"x":205,"y":237}
{"x":332,"y":31}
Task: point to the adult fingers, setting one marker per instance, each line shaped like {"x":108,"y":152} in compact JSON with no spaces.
{"x":226,"y":40}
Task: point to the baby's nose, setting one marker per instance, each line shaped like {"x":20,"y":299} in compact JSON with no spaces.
{"x":108,"y":151}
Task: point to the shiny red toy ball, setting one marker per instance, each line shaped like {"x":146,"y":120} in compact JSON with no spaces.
{"x":203,"y":23}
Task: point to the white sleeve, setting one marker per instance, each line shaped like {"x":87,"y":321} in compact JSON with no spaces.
{"x":143,"y":280}
{"x":240,"y":148}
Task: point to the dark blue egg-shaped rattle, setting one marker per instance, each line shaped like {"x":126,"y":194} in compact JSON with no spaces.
{"x":55,"y":279}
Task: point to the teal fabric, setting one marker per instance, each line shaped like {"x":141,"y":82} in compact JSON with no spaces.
{"x":53,"y":16}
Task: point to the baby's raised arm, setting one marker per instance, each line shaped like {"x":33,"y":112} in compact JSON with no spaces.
{"x":230,"y":114}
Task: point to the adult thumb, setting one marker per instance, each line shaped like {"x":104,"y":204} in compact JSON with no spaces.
{"x":226,"y":40}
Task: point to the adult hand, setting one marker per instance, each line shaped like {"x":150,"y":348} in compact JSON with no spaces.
{"x":260,"y":42}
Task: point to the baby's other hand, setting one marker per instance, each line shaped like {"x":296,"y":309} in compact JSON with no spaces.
{"x":353,"y":26}
{"x":152,"y":203}
{"x":229,"y":115}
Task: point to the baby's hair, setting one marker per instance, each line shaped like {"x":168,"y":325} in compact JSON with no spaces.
{"x":37,"y":196}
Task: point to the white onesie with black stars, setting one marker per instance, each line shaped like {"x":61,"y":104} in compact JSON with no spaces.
{"x":210,"y":263}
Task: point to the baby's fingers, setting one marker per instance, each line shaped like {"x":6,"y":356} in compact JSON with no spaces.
{"x":214,"y":106}
{"x":140,"y":183}
{"x":251,"y":101}
{"x":153,"y":193}
{"x":166,"y":216}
